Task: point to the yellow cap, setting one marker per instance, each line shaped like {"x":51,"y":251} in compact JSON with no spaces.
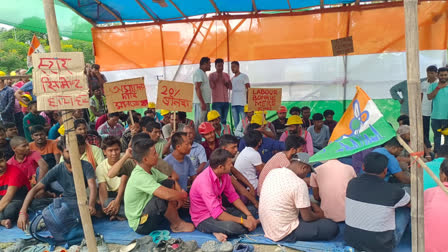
{"x":61,"y":130}
{"x":212,"y":115}
{"x":246,"y":108}
{"x":294,"y":120}
{"x":258,"y":119}
{"x":2,"y":73}
{"x":12,"y":73}
{"x":27,"y":98}
{"x":260,"y":112}
{"x":164,"y":112}
{"x":151,"y":105}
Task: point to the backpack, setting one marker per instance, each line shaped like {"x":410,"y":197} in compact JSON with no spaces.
{"x":62,"y":220}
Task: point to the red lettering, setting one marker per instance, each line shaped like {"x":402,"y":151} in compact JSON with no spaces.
{"x":164,"y":89}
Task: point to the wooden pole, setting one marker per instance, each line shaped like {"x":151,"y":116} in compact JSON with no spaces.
{"x":131,"y":116}
{"x":78,"y":175}
{"x":415,"y":118}
{"x":175,"y":124}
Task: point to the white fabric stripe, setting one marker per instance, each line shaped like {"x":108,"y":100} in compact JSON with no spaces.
{"x":306,"y":79}
{"x":374,"y":115}
{"x":404,"y":201}
{"x":369,"y":217}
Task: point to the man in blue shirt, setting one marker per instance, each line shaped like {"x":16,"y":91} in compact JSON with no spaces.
{"x":197,"y":154}
{"x":392,"y":149}
{"x":434,"y":165}
{"x":268,"y":146}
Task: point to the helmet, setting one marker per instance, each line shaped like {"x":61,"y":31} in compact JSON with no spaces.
{"x":164,"y":112}
{"x":294,"y":120}
{"x":61,"y":130}
{"x":282,"y":109}
{"x":205,"y":128}
{"x":258,"y":119}
{"x":212,"y":115}
{"x":12,"y":73}
{"x":27,"y":98}
{"x":151,"y":105}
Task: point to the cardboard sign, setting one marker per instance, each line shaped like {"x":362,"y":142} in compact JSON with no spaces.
{"x":261,"y":99}
{"x":125,"y":95}
{"x":59,"y":81}
{"x":175,"y":96}
{"x":342,"y":46}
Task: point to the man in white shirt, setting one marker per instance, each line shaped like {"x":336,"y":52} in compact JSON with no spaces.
{"x":249,"y":161}
{"x":240,"y":84}
{"x":431,"y":73}
{"x":202,"y":91}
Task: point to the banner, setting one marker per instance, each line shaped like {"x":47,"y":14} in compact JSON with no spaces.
{"x":261,"y":99}
{"x":361,"y":127}
{"x":124,"y":95}
{"x":59,"y":81}
{"x":175,"y":96}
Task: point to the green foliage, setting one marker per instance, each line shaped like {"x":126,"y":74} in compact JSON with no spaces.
{"x":14,"y":45}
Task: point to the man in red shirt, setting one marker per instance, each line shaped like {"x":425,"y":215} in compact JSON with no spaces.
{"x":13,"y":188}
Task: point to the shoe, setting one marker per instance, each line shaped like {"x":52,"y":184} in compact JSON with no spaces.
{"x":210,"y":246}
{"x":243,"y":248}
{"x":100,"y":244}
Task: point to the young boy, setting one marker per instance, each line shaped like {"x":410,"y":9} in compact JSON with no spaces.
{"x":11,"y":130}
{"x":319,"y":132}
{"x":48,"y":149}
{"x":328,"y":114}
{"x":31,"y":119}
{"x":27,"y":161}
{"x":5,"y":147}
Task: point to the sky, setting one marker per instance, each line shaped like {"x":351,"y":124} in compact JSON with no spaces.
{"x":7,"y":27}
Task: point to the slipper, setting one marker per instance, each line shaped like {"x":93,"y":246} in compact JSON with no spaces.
{"x":243,"y":248}
{"x":160,"y":235}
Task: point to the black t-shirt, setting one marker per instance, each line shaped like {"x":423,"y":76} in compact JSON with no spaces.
{"x":60,"y":174}
{"x":279,"y":127}
{"x":7,"y":150}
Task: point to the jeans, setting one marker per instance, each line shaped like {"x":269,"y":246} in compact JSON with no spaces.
{"x":199,"y":115}
{"x":223,"y":109}
{"x":237,"y":114}
{"x":229,"y":228}
{"x":426,"y":124}
{"x":319,"y":230}
{"x":437,"y":124}
{"x":402,"y":218}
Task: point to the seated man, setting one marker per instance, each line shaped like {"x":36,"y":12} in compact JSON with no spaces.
{"x":150,"y":196}
{"x":48,"y":149}
{"x":435,"y":165}
{"x":280,"y":122}
{"x":319,"y":132}
{"x":211,"y":143}
{"x":206,"y":210}
{"x":295,"y":127}
{"x":5,"y":147}
{"x":392,"y":149}
{"x":132,"y":130}
{"x":53,"y":133}
{"x":436,"y":207}
{"x":249,"y":161}
{"x":82,"y":128}
{"x":31,"y":119}
{"x":13,"y":187}
{"x":62,"y":173}
{"x":111,"y":127}
{"x":179,"y":159}
{"x":284,"y":196}
{"x":27,"y":161}
{"x":266,"y":127}
{"x":11,"y":130}
{"x":269,"y":147}
{"x":162,"y":146}
{"x":241,"y":127}
{"x":329,"y":121}
{"x":111,"y":190}
{"x":294,"y":144}
{"x":214,"y":118}
{"x":197,"y":154}
{"x":371,"y":207}
{"x":167,"y":129}
{"x":89,"y":153}
{"x":329,"y":183}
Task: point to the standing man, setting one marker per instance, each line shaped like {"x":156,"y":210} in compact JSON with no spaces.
{"x":96,"y":78}
{"x":7,"y":102}
{"x":240,"y":84}
{"x":97,"y":104}
{"x":438,"y":94}
{"x":202,"y":91}
{"x":431,"y":73}
{"x":280,"y":122}
{"x":220,"y":85}
{"x":402,"y":88}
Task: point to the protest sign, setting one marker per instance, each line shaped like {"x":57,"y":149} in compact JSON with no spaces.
{"x":59,"y":81}
{"x":261,"y":99}
{"x":342,"y":46}
{"x":125,"y":95}
{"x":175,"y":96}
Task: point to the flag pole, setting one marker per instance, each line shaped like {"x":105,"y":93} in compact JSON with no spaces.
{"x":415,"y":118}
{"x":78,"y":176}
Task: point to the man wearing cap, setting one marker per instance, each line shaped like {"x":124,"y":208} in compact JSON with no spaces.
{"x":166,"y":117}
{"x":211,"y":143}
{"x":214,"y":118}
{"x":280,"y":122}
{"x":267,"y":129}
{"x":151,"y":112}
{"x":241,"y":127}
{"x":202,"y":91}
{"x":294,"y":124}
{"x":280,"y":206}
{"x":220,"y":85}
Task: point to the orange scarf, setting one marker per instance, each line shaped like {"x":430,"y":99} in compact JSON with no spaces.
{"x":90,"y":156}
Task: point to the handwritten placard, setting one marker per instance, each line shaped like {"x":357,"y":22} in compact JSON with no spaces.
{"x":342,"y":46}
{"x":264,"y":99}
{"x":175,"y":96}
{"x":125,"y":95}
{"x":59,"y":82}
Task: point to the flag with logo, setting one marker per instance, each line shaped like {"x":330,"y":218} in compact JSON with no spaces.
{"x":361,"y":127}
{"x":35,"y":47}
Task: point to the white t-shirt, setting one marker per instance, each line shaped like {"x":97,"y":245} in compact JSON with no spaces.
{"x":246,"y":162}
{"x":239,"y":89}
{"x":426,"y":104}
{"x":201,"y":76}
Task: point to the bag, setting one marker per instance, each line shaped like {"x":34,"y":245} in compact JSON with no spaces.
{"x":62,"y":220}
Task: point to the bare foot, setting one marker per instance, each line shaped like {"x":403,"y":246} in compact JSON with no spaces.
{"x":182,"y":226}
{"x":220,"y":236}
{"x":6,"y":223}
{"x":116,"y":217}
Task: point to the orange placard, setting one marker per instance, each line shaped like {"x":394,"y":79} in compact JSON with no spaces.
{"x":59,"y":81}
{"x":342,"y":46}
{"x":125,"y":95}
{"x":261,"y":99}
{"x":175,"y":96}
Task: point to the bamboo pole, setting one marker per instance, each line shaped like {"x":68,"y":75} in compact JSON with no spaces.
{"x":415,"y":116}
{"x":78,"y":175}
